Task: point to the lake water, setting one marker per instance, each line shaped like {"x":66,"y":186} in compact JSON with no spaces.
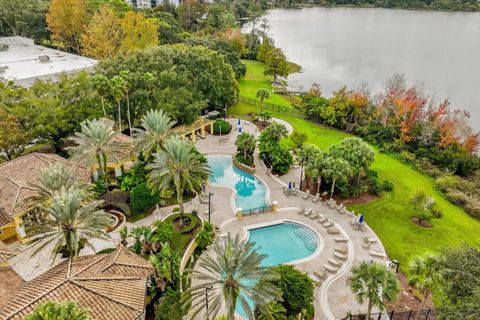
{"x":351,"y":46}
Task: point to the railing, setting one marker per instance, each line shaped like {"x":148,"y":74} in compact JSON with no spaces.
{"x":272,"y":107}
{"x":428,"y":314}
{"x":258,"y":210}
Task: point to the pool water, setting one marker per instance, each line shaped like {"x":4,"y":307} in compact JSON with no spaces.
{"x":251,"y":193}
{"x":281,"y":243}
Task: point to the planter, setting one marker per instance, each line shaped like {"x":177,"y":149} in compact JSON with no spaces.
{"x":242,"y":166}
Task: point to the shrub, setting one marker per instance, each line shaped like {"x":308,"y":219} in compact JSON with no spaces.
{"x":206,"y":236}
{"x":240,"y":158}
{"x":142,"y":199}
{"x":99,"y":187}
{"x":169,"y":306}
{"x":194,"y":221}
{"x":298,"y":139}
{"x":387,"y":185}
{"x":221,"y":126}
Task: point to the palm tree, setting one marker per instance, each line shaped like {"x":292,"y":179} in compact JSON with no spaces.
{"x":337,"y":170}
{"x":230,"y":273}
{"x":262,"y":94}
{"x":273,"y":311}
{"x":58,"y":311}
{"x":125,"y":75}
{"x":156,"y":124}
{"x":118,"y":87}
{"x":70,"y":225}
{"x":277,"y":131}
{"x":246,"y":144}
{"x":167,"y":266}
{"x":314,"y":167}
{"x":52,"y":180}
{"x":425,"y":275}
{"x":180,"y":165}
{"x":97,"y":143}
{"x":373,"y":283}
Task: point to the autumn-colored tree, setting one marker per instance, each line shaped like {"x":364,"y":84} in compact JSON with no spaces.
{"x":67,"y":19}
{"x":410,"y":108}
{"x":139,"y":32}
{"x":103,"y":34}
{"x":12,"y":137}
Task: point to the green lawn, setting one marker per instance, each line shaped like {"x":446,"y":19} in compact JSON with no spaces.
{"x":389,"y":215}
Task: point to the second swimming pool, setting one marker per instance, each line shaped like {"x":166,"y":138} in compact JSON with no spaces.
{"x":251,"y":193}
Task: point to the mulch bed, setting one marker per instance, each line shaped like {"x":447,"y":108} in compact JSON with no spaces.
{"x":421,"y":223}
{"x":406,"y":298}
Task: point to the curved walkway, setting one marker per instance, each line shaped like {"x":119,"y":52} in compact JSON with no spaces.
{"x":333,"y":298}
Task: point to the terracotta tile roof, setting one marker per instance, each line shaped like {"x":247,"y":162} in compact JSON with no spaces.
{"x":10,"y":283}
{"x":111,"y":286}
{"x":16,"y":175}
{"x":5,"y":253}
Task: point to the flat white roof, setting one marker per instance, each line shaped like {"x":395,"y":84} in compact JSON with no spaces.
{"x":21,"y":64}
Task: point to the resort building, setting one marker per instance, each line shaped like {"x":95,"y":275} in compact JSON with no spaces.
{"x":110,"y":286}
{"x":24,"y":62}
{"x":5,"y":254}
{"x":16,"y":179}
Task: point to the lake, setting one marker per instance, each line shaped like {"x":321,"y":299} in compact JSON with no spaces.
{"x":352,"y":46}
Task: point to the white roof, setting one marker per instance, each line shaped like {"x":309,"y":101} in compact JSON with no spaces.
{"x":20,"y":61}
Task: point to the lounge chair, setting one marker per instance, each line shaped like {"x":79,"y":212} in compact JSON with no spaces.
{"x":377,"y":254}
{"x":341,"y":239}
{"x":321,"y":274}
{"x":330,"y":268}
{"x":301,"y":210}
{"x":306,"y":195}
{"x":322,"y":219}
{"x":294,"y":192}
{"x":308,"y":212}
{"x":333,"y":230}
{"x":334,"y":262}
{"x":316,"y":198}
{"x":314,"y":215}
{"x":328,"y":223}
{"x":340,"y":256}
{"x":342,"y":249}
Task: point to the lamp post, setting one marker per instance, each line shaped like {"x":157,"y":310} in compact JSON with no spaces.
{"x":301,"y":176}
{"x":206,"y":301}
{"x":397,"y":265}
{"x":210,"y":194}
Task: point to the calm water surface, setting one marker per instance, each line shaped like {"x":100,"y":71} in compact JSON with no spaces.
{"x":351,"y":46}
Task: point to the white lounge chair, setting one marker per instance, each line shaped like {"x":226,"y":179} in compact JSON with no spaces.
{"x":342,"y":249}
{"x":308,"y":212}
{"x":333,"y":230}
{"x":340,"y":256}
{"x":306,"y":195}
{"x":314,"y":215}
{"x":322,"y":219}
{"x":334,"y":262}
{"x":377,"y":254}
{"x":321,"y":274}
{"x":328,"y":223}
{"x":301,"y":210}
{"x":330,"y":268}
{"x":316,"y":198}
{"x":341,"y":239}
{"x":294,"y":192}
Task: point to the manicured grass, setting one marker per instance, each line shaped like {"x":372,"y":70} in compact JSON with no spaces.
{"x":388,"y":216}
{"x":180,"y":240}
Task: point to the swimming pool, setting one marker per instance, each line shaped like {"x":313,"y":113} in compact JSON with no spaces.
{"x":282,"y":243}
{"x":251,"y":193}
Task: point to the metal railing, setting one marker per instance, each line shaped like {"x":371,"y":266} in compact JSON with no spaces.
{"x":428,"y":314}
{"x":272,"y":107}
{"x":258,"y":210}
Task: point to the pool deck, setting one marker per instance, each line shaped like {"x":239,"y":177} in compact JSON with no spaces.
{"x":333,"y":298}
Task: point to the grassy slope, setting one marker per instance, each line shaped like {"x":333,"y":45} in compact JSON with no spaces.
{"x":389,"y":215}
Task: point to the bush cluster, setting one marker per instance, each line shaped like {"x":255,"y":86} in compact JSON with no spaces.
{"x":142,"y":199}
{"x":221,"y":126}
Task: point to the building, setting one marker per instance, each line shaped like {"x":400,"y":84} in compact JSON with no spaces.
{"x":16,"y":178}
{"x":5,"y":254}
{"x":24,"y":62}
{"x":110,"y":286}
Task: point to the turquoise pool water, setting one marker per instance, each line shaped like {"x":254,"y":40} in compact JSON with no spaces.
{"x":251,"y":192}
{"x":282,"y":243}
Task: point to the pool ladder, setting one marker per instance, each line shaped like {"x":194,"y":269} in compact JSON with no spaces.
{"x":308,"y":236}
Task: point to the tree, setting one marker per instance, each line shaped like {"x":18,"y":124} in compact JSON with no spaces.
{"x":103,"y":35}
{"x":374,"y":284}
{"x":167,"y":267}
{"x":169,"y":306}
{"x":27,"y":20}
{"x":96,"y":143}
{"x":230,"y":272}
{"x":315,"y":166}
{"x":156,"y":125}
{"x":425,"y":275}
{"x":273,"y":311}
{"x":264,"y":116}
{"x":337,"y":169}
{"x":70,"y":226}
{"x":58,"y":311}
{"x":262,"y":94}
{"x":118,"y":87}
{"x":356,"y":152}
{"x":246,"y":143}
{"x":139,"y":32}
{"x":66,"y":19}
{"x":276,"y":64}
{"x":102,"y":87}
{"x":177,"y":164}
{"x":12,"y":138}
{"x":276,"y":131}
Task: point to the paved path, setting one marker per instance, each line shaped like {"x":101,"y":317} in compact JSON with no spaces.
{"x":333,"y":298}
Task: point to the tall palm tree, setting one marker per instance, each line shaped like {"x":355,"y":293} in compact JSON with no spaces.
{"x":315,"y":166}
{"x":425,"y":275}
{"x":373,"y":283}
{"x":245,"y":144}
{"x":52,"y":180}
{"x":230,"y":273}
{"x":58,"y":311}
{"x":96,"y":143}
{"x":71,"y":224}
{"x":262,"y":94}
{"x":180,"y":165}
{"x":277,"y":131}
{"x":337,"y":170}
{"x":156,"y":124}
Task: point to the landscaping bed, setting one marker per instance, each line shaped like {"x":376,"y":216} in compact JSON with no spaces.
{"x":182,"y":235}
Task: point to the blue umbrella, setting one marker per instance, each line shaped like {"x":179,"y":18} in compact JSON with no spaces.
{"x":289,"y":185}
{"x":238,"y":121}
{"x":239,"y":129}
{"x":360,"y":219}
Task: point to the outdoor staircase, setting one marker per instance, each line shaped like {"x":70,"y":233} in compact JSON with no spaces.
{"x":308,"y":236}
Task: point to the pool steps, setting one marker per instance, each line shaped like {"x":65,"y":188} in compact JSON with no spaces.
{"x":308,"y":236}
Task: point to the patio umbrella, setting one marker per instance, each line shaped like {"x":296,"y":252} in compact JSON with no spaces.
{"x":239,"y":121}
{"x":360,"y":219}
{"x":289,"y":185}
{"x":239,"y":129}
